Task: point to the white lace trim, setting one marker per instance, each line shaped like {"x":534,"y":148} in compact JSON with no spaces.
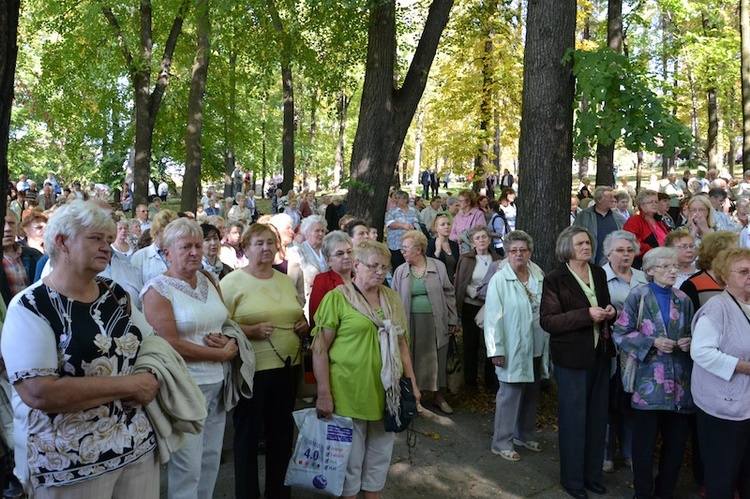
{"x":162,"y":283}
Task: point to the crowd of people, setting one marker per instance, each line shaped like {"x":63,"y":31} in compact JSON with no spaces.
{"x":644,"y":326}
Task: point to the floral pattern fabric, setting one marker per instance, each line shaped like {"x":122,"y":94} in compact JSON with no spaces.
{"x":90,"y":339}
{"x":662,"y":380}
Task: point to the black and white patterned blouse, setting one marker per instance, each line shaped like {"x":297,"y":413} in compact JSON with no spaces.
{"x":47,"y":334}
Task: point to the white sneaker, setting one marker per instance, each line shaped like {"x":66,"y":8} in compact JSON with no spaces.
{"x":608,"y":467}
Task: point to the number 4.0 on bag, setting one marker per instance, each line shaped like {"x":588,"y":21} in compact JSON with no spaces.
{"x":321,"y":454}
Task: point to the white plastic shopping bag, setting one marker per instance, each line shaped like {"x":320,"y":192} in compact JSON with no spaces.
{"x":321,"y":454}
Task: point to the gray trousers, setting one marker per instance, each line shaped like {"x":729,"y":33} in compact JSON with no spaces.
{"x":193,"y":469}
{"x":515,"y":411}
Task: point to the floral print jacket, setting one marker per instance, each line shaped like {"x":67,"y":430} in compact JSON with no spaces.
{"x":662,"y":380}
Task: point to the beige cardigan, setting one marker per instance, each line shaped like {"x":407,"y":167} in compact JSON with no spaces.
{"x":440,"y":292}
{"x":179,"y":406}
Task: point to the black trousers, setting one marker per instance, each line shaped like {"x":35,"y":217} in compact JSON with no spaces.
{"x":582,"y":402}
{"x":725,"y":447}
{"x":674,"y":429}
{"x":272,"y":403}
{"x":473,"y":338}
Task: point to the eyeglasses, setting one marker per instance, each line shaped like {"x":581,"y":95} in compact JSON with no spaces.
{"x":624,"y":251}
{"x":684,"y":247}
{"x":744,"y":273}
{"x":517,"y":251}
{"x":374,"y":267}
{"x":339,"y":254}
{"x":668,"y":267}
{"x":653,"y":201}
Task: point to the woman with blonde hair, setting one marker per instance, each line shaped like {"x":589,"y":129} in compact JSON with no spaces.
{"x":700,"y":217}
{"x":704,"y":285}
{"x":429,"y":300}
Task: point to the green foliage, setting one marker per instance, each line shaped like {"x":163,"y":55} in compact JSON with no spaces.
{"x":621,"y":103}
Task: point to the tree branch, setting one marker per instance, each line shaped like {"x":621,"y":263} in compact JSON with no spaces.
{"x":166,"y":61}
{"x":416,"y":78}
{"x":115,"y":24}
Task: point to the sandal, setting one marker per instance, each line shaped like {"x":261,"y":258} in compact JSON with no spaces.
{"x":508,"y":455}
{"x":532,"y":445}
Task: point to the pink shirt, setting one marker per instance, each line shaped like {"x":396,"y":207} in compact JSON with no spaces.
{"x":465,"y":221}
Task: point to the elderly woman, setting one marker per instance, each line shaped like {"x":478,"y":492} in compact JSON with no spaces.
{"x":684,"y":243}
{"x":33,"y":226}
{"x":134,"y":232}
{"x":648,"y":230}
{"x":185,"y":307}
{"x":704,"y":285}
{"x":69,"y":347}
{"x":721,"y":378}
{"x":468,"y":216}
{"x":398,"y":220}
{"x":121,"y":244}
{"x":515,"y":343}
{"x":211,"y":244}
{"x":232,"y":253}
{"x":470,"y":272}
{"x":150,"y":259}
{"x":442,"y":247}
{"x":359,"y":354}
{"x":620,"y":248}
{"x":311,"y":259}
{"x":700,"y":218}
{"x":430,"y":304}
{"x":263,"y":301}
{"x":339,"y":255}
{"x":239,"y":212}
{"x":576,"y":311}
{"x":654,"y":329}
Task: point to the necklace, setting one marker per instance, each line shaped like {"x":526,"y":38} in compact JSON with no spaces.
{"x":486,"y":259}
{"x":421,"y":275}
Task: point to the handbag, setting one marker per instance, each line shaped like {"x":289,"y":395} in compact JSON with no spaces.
{"x":628,"y":364}
{"x":322,"y":453}
{"x":454,"y":366}
{"x":407,"y":409}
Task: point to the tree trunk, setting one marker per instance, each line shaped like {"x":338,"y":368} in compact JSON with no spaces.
{"x":583,"y":163}
{"x":147,"y":102}
{"x":342,"y":107}
{"x":230,"y":157}
{"x":191,"y":184}
{"x":9,"y":12}
{"x":313,"y":131}
{"x":417,"y":169}
{"x":605,"y":154}
{"x":386,"y":112}
{"x":712,"y":146}
{"x":546,"y":143}
{"x":745,"y":35}
{"x":264,"y":144}
{"x":287,"y":136}
{"x":481,"y":159}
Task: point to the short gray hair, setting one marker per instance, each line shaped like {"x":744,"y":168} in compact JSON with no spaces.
{"x":646,"y":193}
{"x":620,"y":235}
{"x":652,"y":257}
{"x":332,"y":239}
{"x":73,"y":218}
{"x":564,"y":249}
{"x":451,"y":201}
{"x":178,"y":229}
{"x":308,"y":223}
{"x":599,"y":192}
{"x":518,"y":235}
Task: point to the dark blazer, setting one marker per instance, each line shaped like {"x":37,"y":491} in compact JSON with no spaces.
{"x":564,"y":314}
{"x":464,"y":268}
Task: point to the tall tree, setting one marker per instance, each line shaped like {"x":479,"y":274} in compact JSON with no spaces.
{"x":147,"y":101}
{"x":194,"y":160}
{"x":745,"y":61}
{"x":386,"y":111}
{"x":605,"y":152}
{"x":546,"y":143}
{"x":8,"y":52}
